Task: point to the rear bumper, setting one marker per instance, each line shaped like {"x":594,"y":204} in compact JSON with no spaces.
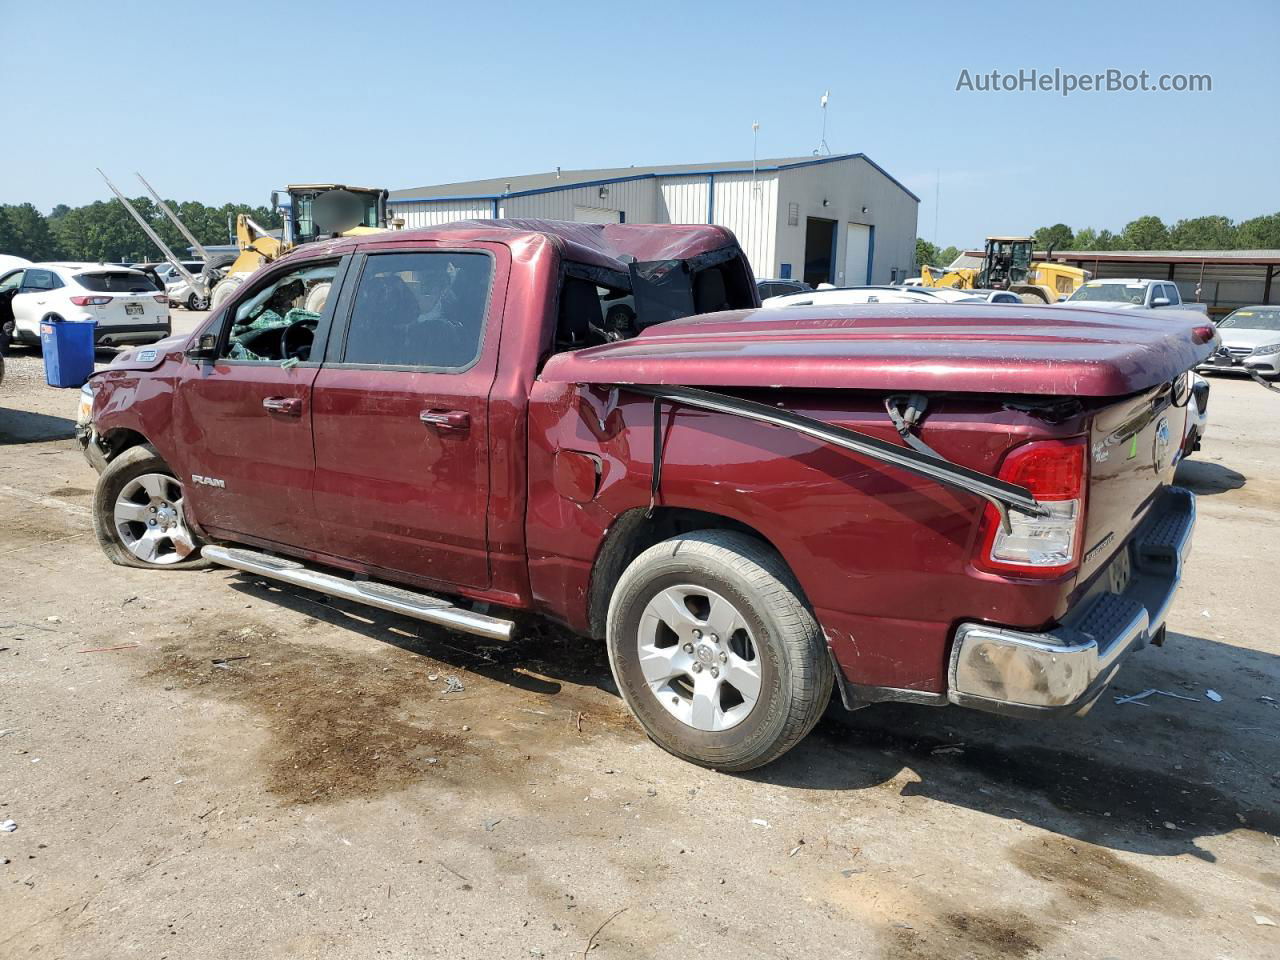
{"x":1066,"y":669}
{"x":115,"y":334}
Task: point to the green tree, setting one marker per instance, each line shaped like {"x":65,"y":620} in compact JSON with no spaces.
{"x":1145,"y":233}
{"x":947,"y":255}
{"x":1056,"y":237}
{"x":29,"y":233}
{"x":1203,"y":233}
{"x":926,"y":253}
{"x":1107,"y":241}
{"x":1085,"y":239}
{"x":1260,"y":233}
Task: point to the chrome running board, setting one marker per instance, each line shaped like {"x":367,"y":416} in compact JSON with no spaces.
{"x":420,"y":606}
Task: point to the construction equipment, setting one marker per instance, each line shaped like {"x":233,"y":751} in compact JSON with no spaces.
{"x":201,"y":283}
{"x":311,"y":211}
{"x":1008,"y":264}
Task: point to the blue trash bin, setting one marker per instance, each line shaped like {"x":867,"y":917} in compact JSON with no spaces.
{"x":68,"y":351}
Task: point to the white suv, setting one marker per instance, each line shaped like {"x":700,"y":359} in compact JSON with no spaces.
{"x":125,"y":303}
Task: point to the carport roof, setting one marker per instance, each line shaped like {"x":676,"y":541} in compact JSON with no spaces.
{"x":973,"y":258}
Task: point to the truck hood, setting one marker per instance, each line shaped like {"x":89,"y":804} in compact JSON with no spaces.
{"x":150,"y":356}
{"x":964,"y":348}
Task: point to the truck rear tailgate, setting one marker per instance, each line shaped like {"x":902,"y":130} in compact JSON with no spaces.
{"x":1134,"y":444}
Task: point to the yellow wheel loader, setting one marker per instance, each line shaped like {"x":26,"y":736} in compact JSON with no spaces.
{"x":311,"y":211}
{"x":1007,"y":265}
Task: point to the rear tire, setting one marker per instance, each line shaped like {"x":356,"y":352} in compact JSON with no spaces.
{"x":716,"y":652}
{"x":138,"y":514}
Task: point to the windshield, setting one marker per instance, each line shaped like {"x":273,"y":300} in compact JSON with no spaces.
{"x":1255,"y":318}
{"x":1112,"y":292}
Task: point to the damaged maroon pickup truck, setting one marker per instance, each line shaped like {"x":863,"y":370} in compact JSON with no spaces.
{"x":949,"y":504}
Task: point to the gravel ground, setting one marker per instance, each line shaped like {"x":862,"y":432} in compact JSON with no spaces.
{"x":203,"y":765}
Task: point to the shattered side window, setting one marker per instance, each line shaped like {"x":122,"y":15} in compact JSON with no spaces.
{"x":278,"y":322}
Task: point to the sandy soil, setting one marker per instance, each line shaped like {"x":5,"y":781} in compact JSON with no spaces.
{"x":203,"y":765}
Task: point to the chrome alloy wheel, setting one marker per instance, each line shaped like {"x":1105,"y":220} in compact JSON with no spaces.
{"x":699,"y":658}
{"x":148,"y":516}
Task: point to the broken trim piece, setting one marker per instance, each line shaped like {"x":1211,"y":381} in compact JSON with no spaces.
{"x":1001,"y":495}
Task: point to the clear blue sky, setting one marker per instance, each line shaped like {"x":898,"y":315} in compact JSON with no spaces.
{"x":214,"y":107}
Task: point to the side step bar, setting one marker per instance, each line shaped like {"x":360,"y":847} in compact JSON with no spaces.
{"x":420,"y":606}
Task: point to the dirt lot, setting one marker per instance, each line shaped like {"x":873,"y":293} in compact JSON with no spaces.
{"x":201,"y":765}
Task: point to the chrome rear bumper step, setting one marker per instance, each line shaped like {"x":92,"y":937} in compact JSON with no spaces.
{"x":420,"y":606}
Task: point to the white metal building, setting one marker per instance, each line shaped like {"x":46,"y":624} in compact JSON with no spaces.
{"x":838,"y":219}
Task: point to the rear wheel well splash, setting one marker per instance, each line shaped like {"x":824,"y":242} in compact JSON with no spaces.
{"x":634,"y":532}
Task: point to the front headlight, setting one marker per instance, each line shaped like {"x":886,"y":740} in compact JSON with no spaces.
{"x":1266,"y":351}
{"x":85,"y":411}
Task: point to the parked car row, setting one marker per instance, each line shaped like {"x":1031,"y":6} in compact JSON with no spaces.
{"x":125,"y":303}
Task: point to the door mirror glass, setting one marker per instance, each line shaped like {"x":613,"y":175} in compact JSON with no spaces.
{"x":205,"y":347}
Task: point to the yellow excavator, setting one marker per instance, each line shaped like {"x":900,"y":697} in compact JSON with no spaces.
{"x":1007,"y":264}
{"x":311,"y":211}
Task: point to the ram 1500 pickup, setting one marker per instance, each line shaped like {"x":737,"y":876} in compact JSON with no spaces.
{"x":936,"y":504}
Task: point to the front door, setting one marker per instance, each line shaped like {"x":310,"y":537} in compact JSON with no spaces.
{"x":400,"y":412}
{"x":244,"y":420}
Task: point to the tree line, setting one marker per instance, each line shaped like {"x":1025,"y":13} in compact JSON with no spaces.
{"x":104,"y":231}
{"x":1144,"y":233}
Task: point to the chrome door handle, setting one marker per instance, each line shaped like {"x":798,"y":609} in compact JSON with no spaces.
{"x":289,"y":406}
{"x":446,"y":419}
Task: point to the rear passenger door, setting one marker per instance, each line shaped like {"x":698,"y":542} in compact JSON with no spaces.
{"x":400,"y":412}
{"x":34,"y":299}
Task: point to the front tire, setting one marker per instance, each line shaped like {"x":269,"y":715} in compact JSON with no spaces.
{"x":716,"y":652}
{"x":138,"y":514}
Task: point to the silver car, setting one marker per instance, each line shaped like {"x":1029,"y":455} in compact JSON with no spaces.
{"x":1250,"y":342}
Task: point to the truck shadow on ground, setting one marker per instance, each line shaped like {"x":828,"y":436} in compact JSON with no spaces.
{"x":24,"y":426}
{"x":1204,"y":477}
{"x":1109,"y":778}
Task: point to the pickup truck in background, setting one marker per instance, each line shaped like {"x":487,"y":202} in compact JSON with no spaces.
{"x":1131,"y":295}
{"x":926,"y":503}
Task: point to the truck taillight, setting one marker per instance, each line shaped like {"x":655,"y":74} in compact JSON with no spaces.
{"x":1055,"y":471}
{"x":160,"y":298}
{"x":90,"y":301}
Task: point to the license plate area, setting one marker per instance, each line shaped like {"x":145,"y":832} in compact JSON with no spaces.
{"x":133,"y":309}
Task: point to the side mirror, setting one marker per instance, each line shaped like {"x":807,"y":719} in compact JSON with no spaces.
{"x":1062,"y":299}
{"x":205,"y":348}
{"x":1161,"y":302}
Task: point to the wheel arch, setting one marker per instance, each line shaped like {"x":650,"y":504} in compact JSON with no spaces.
{"x":634,"y":532}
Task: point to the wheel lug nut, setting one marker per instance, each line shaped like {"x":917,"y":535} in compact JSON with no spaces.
{"x":714,"y":638}
{"x":715,"y":671}
{"x":687,"y":648}
{"x":724,"y":657}
{"x":697,"y":634}
{"x":697,"y":668}
{"x":151,"y":523}
{"x":153,"y":509}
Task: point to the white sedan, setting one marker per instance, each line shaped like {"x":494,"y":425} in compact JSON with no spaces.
{"x":837,"y":296}
{"x":124,"y":303}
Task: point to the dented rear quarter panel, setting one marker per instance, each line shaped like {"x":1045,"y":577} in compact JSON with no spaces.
{"x":883,"y":556}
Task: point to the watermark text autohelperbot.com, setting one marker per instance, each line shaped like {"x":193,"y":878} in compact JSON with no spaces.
{"x":1065,"y":83}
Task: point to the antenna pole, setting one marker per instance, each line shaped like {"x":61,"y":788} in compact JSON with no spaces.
{"x":755,"y":140}
{"x":822,"y":144}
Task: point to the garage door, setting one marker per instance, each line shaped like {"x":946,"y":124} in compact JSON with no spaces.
{"x":857,"y":254}
{"x":596,"y":215}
